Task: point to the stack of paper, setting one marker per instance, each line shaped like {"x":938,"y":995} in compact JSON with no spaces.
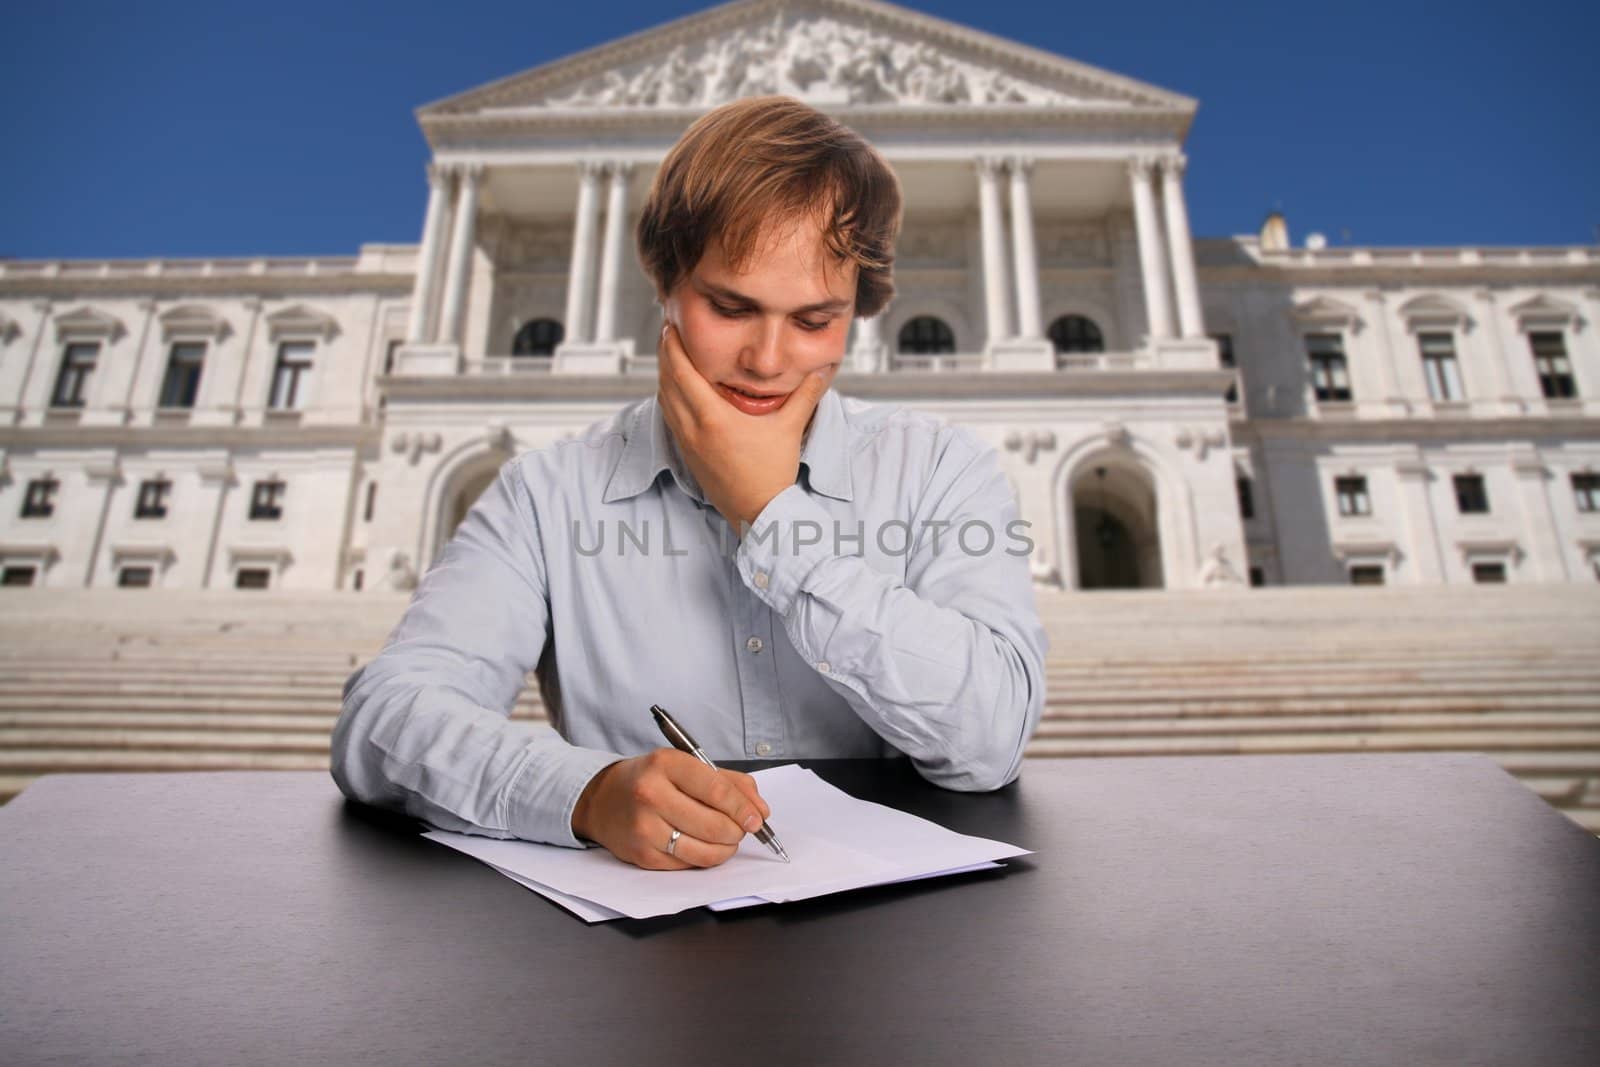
{"x":835,"y":842}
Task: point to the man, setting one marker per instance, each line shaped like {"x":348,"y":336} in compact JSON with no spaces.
{"x":791,"y":574}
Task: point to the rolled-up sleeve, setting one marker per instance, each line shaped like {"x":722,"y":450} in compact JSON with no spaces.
{"x":948,"y":665}
{"x":424,"y":727}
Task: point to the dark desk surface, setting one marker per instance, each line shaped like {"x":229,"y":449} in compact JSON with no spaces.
{"x":1365,"y":909}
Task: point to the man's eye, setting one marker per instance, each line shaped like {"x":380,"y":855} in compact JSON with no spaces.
{"x":815,"y":326}
{"x":727,"y":312}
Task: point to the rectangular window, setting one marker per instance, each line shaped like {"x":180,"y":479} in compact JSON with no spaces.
{"x":289,"y":375}
{"x":360,"y":576}
{"x":182,"y":383}
{"x":1440,"y":367}
{"x":152,"y":499}
{"x":252,"y":578}
{"x":372,"y":496}
{"x":389,"y":354}
{"x":16,"y":576}
{"x":1247,"y":498}
{"x":1367,"y":574}
{"x":1258,"y":577}
{"x":1489,"y":573}
{"x":136,"y":577}
{"x":1330,"y":375}
{"x":1226,"y":358}
{"x":266,"y":500}
{"x":1586,"y":490}
{"x":1353,"y":499}
{"x":39,"y":501}
{"x":72,"y":384}
{"x":1555,"y":369}
{"x":1471,"y":496}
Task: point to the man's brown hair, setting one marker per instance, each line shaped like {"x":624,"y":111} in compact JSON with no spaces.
{"x":766,"y":160}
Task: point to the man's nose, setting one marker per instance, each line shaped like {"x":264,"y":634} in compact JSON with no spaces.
{"x":763,"y":355}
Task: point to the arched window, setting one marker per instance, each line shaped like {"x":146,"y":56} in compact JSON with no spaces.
{"x":538,"y":337}
{"x":926,"y":335}
{"x":1076,"y":333}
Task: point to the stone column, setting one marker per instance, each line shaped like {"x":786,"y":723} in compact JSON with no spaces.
{"x":1185,"y":284}
{"x":455,"y":290}
{"x":98,"y":472}
{"x":1025,"y":249}
{"x":1539,"y":520}
{"x":1499,"y":356}
{"x":867,"y":351}
{"x":427,"y":283}
{"x":1391,"y":402}
{"x":605,"y":322}
{"x":582,"y":266}
{"x":994,"y":253}
{"x":1152,"y":264}
{"x":218,"y":474}
{"x":1425,"y":550}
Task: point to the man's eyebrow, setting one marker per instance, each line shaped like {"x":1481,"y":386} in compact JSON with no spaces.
{"x":723,"y":291}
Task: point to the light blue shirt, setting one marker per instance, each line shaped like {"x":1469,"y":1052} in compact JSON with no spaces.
{"x":881,"y":605}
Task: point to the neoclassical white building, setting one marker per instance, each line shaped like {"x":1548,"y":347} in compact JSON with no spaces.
{"x":1173,"y":411}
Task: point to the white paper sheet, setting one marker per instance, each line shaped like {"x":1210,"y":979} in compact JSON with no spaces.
{"x":835,"y":841}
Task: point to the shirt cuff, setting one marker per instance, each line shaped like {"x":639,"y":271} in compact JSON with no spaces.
{"x":544,"y":792}
{"x":791,"y":537}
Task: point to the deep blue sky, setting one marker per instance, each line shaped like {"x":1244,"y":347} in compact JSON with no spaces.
{"x":213,"y":128}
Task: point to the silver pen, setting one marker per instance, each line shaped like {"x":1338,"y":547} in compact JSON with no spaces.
{"x":684,"y":743}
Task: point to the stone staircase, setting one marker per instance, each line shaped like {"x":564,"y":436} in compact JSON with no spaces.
{"x":127,"y":680}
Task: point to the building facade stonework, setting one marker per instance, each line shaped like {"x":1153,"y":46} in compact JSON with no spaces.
{"x":1173,"y":412}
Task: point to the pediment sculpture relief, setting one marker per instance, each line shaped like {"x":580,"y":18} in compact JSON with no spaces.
{"x":819,"y":59}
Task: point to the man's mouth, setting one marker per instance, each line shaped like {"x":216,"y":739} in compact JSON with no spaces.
{"x":750,"y":402}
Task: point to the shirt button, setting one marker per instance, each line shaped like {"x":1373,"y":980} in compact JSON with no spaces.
{"x":754,"y":644}
{"x":763,"y":749}
{"x":760,"y":579}
{"x":822,"y":665}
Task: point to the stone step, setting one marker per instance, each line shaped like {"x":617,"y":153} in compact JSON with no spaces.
{"x":1060,"y":725}
{"x":1566,"y":752}
{"x":1058,"y":707}
{"x":1063,"y":705}
{"x":198,"y":720}
{"x":22,"y":741}
{"x":329,"y":704}
{"x":1152,"y":677}
{"x":51,"y":761}
{"x":1293,"y":725}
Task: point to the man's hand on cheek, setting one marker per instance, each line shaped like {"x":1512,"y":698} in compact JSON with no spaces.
{"x":741,"y":461}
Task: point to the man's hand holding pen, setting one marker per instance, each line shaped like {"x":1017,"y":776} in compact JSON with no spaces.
{"x":633,"y":807}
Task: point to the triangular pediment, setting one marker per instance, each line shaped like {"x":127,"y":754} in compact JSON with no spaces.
{"x":300,"y":320}
{"x":1544,"y":308}
{"x":1432,"y":305}
{"x":1325,"y":309}
{"x":841,"y":55}
{"x":193,"y":320}
{"x":88,"y":322}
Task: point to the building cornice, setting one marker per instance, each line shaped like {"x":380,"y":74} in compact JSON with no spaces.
{"x":286,"y":436}
{"x":196,"y":277}
{"x":1388,"y":431}
{"x":447,"y":131}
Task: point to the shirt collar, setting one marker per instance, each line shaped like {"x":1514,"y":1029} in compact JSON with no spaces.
{"x":650,"y":449}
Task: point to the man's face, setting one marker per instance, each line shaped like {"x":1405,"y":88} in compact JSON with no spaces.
{"x":762,"y":331}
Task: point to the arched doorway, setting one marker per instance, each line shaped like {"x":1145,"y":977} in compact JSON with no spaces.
{"x":462,"y":499}
{"x":1116,"y":526}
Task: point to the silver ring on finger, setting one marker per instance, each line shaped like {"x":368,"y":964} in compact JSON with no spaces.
{"x":672,"y":844}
